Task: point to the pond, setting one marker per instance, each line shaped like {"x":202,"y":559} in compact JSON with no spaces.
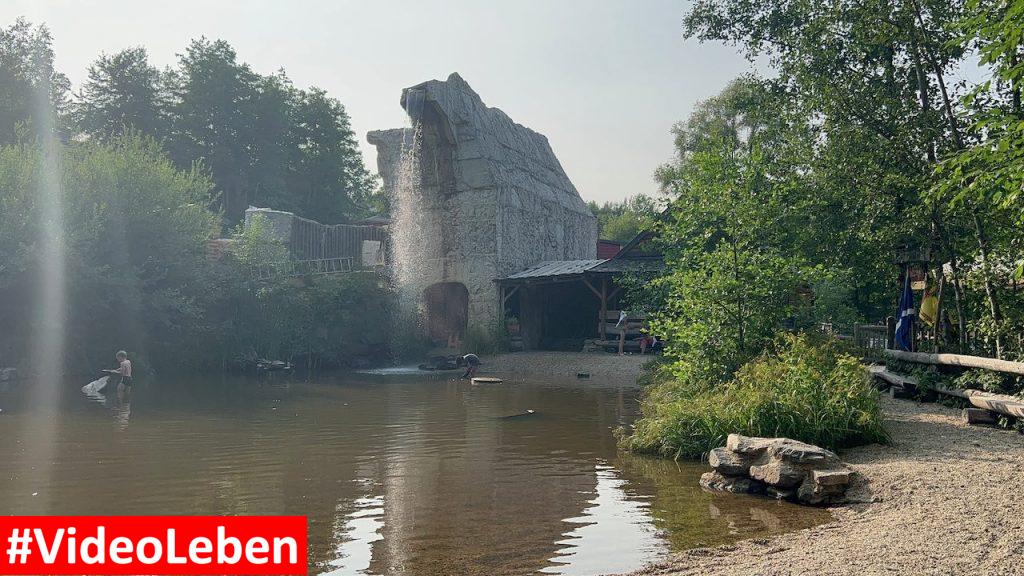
{"x":397,"y":473}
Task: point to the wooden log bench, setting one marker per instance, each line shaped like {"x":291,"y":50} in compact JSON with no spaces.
{"x":999,"y":403}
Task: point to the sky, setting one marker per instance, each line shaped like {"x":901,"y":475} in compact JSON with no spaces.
{"x":604,"y":80}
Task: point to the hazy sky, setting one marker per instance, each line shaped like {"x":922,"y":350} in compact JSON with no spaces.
{"x":603,"y":79}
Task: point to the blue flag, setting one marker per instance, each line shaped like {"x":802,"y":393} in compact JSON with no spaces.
{"x":905,"y":317}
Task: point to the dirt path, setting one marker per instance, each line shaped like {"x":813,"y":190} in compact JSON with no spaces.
{"x":946,"y":499}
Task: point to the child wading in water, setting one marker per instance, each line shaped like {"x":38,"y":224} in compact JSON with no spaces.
{"x":124,"y":368}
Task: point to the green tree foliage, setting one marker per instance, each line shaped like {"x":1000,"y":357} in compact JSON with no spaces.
{"x":335,"y":321}
{"x":28,"y":80}
{"x":622,"y":221}
{"x":262,"y":141}
{"x":135,"y":233}
{"x":328,"y":178}
{"x":122,"y":94}
{"x":731,"y":279}
{"x":212,"y":111}
{"x":136,"y":230}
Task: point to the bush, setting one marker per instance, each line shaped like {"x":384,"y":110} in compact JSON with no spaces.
{"x":330,"y":321}
{"x":135,"y":230}
{"x":803,"y":389}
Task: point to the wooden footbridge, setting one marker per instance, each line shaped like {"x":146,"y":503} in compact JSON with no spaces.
{"x":300,"y":268}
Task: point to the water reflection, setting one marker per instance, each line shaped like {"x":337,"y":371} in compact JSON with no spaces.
{"x":360,"y":529}
{"x":116,"y":399}
{"x":395,"y":475}
{"x":614,"y":534}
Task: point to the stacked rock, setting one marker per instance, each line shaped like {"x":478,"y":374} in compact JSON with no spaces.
{"x":779,"y":467}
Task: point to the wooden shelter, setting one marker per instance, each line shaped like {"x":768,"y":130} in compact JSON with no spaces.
{"x":557,"y":305}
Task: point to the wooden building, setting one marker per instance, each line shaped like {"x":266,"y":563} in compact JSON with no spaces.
{"x":558,"y":305}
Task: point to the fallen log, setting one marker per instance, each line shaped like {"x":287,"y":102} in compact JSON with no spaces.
{"x":1007,"y":405}
{"x":1001,"y":403}
{"x":979,"y":416}
{"x":906,"y":382}
{"x":961,"y":360}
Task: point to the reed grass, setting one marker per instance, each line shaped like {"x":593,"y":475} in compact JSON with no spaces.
{"x":803,"y":389}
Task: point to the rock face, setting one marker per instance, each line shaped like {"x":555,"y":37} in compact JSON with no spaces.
{"x":779,"y":467}
{"x":492,"y":197}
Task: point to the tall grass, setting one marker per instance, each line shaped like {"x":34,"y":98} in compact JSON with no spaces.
{"x":801,"y":389}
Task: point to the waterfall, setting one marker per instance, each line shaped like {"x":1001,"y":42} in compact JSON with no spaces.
{"x":407,"y":226}
{"x":410,"y":233}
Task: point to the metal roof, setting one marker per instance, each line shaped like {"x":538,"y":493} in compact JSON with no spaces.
{"x":555,"y":268}
{"x":639,"y":265}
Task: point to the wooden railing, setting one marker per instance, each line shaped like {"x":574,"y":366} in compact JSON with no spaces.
{"x":297,"y":268}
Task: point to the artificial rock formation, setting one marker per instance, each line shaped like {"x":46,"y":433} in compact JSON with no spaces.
{"x":779,"y":467}
{"x":491,"y":197}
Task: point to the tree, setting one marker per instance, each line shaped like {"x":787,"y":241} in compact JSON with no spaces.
{"x":622,"y":221}
{"x":869,"y":81}
{"x":212,"y":111}
{"x":273,"y":152}
{"x":329,"y":179}
{"x":28,"y":79}
{"x":122,"y":94}
{"x":732,"y":272}
{"x":135,"y":233}
{"x":263,"y":141}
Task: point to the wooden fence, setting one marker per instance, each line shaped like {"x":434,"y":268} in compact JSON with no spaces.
{"x":315,"y":241}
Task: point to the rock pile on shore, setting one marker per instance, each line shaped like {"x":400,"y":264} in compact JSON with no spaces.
{"x":779,"y":467}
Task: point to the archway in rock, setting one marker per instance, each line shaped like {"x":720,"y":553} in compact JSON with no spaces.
{"x":447,"y":311}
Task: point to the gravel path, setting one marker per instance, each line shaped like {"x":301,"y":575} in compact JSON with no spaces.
{"x":943,"y":499}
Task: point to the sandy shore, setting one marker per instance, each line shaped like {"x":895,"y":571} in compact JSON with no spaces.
{"x":603,"y":368}
{"x":943,"y":499}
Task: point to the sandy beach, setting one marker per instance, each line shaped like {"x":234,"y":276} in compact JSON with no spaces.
{"x":944,"y":498}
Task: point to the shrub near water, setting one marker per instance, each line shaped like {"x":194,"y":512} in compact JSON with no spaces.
{"x":804,"y":390}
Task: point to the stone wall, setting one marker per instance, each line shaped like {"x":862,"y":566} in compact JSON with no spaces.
{"x":494,"y":196}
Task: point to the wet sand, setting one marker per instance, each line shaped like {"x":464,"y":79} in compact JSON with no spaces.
{"x":945,"y":498}
{"x":603,"y":367}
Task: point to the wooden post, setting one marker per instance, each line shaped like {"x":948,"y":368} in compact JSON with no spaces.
{"x":603,"y":319}
{"x":890,"y":333}
{"x":980,"y":416}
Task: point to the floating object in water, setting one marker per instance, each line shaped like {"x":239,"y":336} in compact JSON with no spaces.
{"x":583,"y":374}
{"x":273,"y":365}
{"x":96,"y":388}
{"x":520,"y":415}
{"x":486,"y":380}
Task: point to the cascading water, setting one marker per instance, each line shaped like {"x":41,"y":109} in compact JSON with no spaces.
{"x":406,"y":229}
{"x":409,"y":230}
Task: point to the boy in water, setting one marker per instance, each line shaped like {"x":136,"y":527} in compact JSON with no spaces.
{"x":124,"y":368}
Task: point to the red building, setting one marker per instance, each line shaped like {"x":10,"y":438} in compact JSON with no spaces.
{"x":607,"y":249}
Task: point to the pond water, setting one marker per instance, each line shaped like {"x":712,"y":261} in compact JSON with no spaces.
{"x":397,"y":474}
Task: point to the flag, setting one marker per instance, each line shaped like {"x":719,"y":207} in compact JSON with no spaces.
{"x":905,"y":317}
{"x":928,"y":311}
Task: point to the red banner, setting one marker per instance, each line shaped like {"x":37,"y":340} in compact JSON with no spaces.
{"x":153,"y":544}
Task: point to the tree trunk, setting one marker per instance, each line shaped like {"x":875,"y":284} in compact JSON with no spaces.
{"x":958,"y":291}
{"x":990,"y":289}
{"x":954,"y":125}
